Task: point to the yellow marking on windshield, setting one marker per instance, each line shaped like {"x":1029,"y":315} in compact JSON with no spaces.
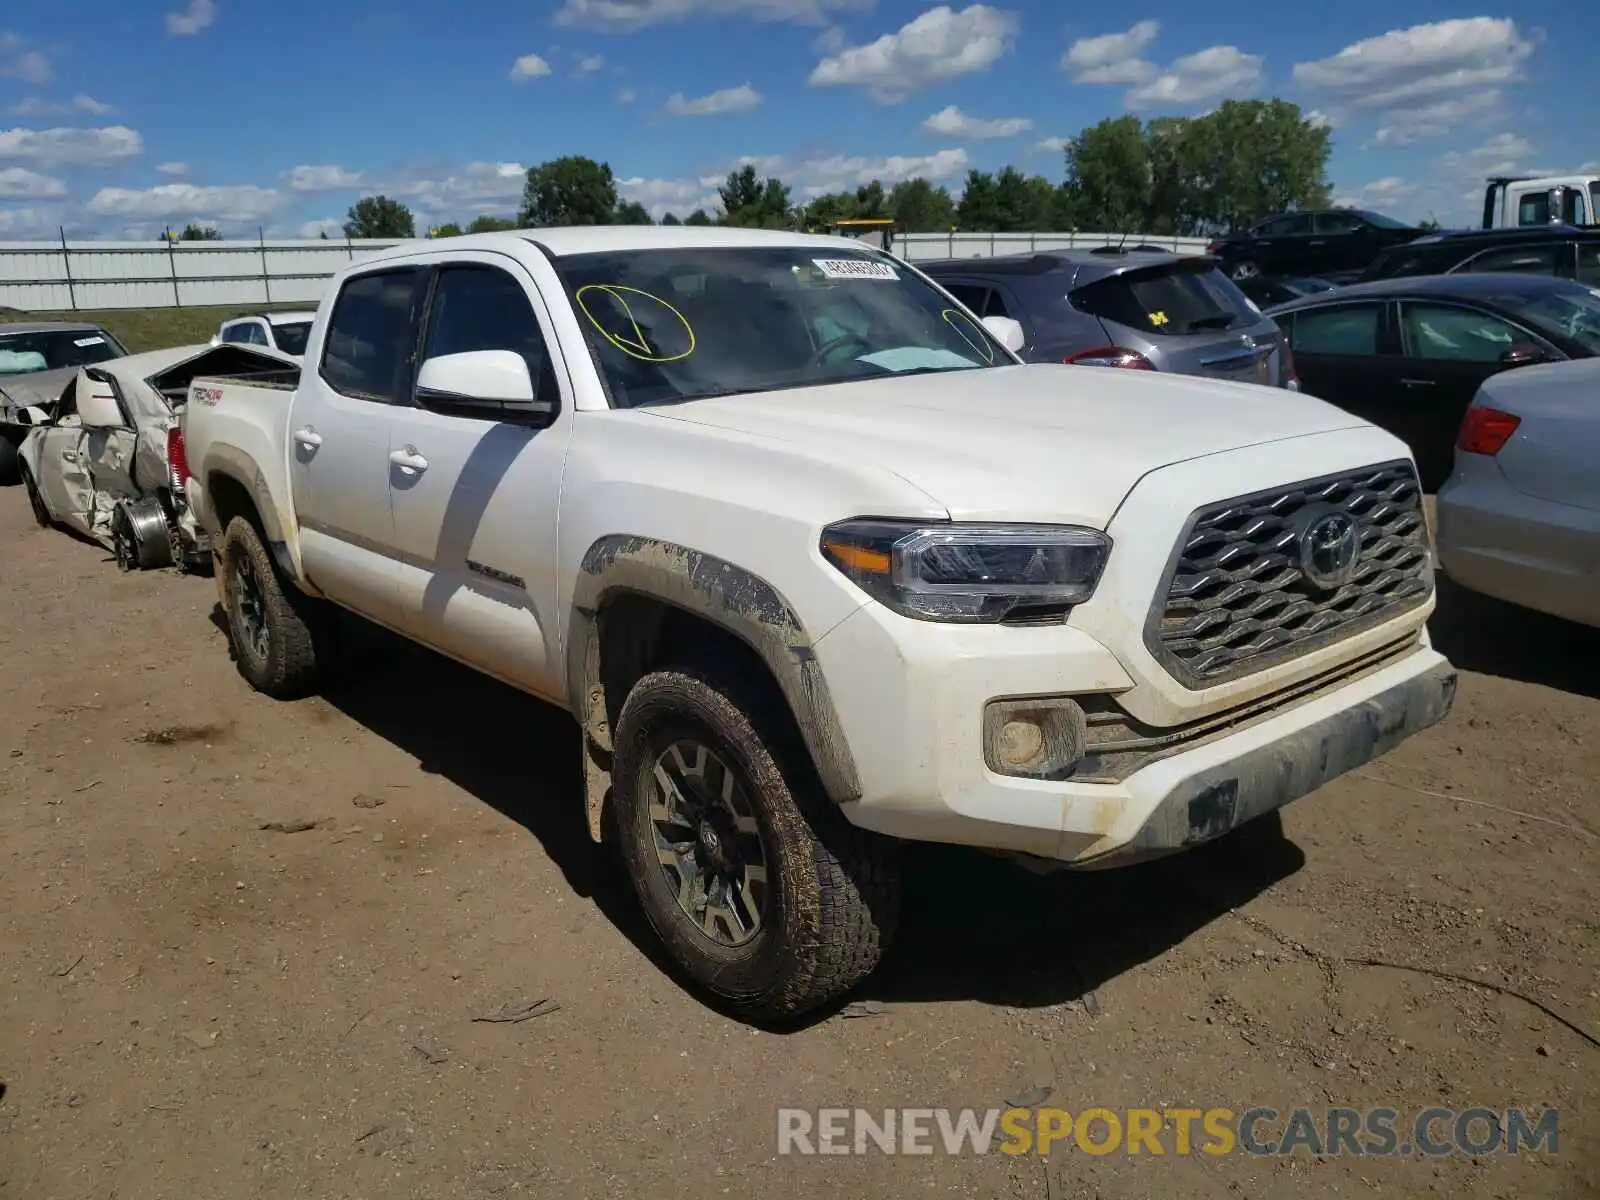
{"x":632,"y":341}
{"x":982,"y":346}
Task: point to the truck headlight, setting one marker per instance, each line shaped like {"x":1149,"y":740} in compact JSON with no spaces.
{"x":969,"y":572}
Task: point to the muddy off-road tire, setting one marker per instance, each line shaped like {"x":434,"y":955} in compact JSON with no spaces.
{"x":280,"y":637}
{"x":830,"y":901}
{"x":41,"y":514}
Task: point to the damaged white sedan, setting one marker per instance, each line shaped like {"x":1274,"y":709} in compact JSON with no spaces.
{"x":108,"y":461}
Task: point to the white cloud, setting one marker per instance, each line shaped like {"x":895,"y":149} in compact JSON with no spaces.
{"x":187,"y":202}
{"x":173,"y":168}
{"x":471,"y":190}
{"x":1056,"y":145}
{"x":331,"y":226}
{"x":1503,"y":154}
{"x":939,"y":45}
{"x":1404,"y":126}
{"x":661,"y":196}
{"x":627,"y":16}
{"x":19,"y":183}
{"x":18,"y":63}
{"x":1215,"y":73}
{"x":193,"y":19}
{"x":1318,"y":119}
{"x":1423,"y":79}
{"x":72,"y":147}
{"x":1112,"y":57}
{"x":592,"y":63}
{"x":38,"y":106}
{"x":321,"y":179}
{"x":529,"y":66}
{"x":15,"y":222}
{"x":726,"y":100}
{"x":1381,"y":194}
{"x":626,"y":95}
{"x":831,"y":40}
{"x":952,"y":122}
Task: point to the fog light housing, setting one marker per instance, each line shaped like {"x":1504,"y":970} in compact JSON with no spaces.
{"x":1037,"y":737}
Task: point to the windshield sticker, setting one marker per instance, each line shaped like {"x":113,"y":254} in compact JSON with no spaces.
{"x":638,"y":323}
{"x":1157,"y":318}
{"x":854,"y":268}
{"x":969,"y":331}
{"x":90,"y":341}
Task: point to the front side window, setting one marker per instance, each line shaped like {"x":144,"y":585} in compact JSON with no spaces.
{"x":1441,"y":331}
{"x":973,"y":295}
{"x":368,"y":350}
{"x":483,"y":308}
{"x":671,"y":325}
{"x":1338,"y":222}
{"x":55,"y":350}
{"x":1346,"y":330}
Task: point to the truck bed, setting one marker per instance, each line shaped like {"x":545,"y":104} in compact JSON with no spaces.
{"x":247,"y":416}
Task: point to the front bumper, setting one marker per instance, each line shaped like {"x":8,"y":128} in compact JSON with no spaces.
{"x":914,"y":723}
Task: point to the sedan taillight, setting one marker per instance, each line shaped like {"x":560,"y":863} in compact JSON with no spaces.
{"x":1486,"y":430}
{"x":1111,"y":356}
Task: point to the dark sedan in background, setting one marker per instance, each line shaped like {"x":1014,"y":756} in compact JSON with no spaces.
{"x":1565,"y":251}
{"x":1333,"y":243}
{"x":1408,"y":354}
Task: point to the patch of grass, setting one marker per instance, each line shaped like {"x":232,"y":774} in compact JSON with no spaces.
{"x":141,"y":329}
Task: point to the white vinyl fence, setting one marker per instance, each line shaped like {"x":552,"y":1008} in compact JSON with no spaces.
{"x":63,"y":276}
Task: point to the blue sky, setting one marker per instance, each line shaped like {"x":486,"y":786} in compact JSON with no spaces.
{"x":131,"y":114}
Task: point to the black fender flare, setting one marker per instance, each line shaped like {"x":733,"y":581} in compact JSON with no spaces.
{"x":728,"y":596}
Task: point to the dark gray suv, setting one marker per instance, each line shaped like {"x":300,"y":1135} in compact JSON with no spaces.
{"x":1142,"y":309}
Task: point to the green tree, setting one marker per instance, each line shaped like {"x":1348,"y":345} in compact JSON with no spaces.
{"x":631,"y":212}
{"x":488,"y":224}
{"x":670,"y":219}
{"x":1108,"y":178}
{"x":698,"y":217}
{"x":1024,"y":203}
{"x":826,"y":210}
{"x":199,"y":233}
{"x":379,"y":217}
{"x":917,"y":206}
{"x":979,"y":209}
{"x":573,"y":190}
{"x":754,"y":203}
{"x":448,"y":229}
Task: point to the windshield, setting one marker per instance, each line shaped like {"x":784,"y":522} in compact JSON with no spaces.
{"x":27,"y":353}
{"x":671,"y":325}
{"x":1571,"y":311}
{"x":291,"y":336}
{"x":1383,"y":222}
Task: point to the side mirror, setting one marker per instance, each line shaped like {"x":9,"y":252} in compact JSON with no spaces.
{"x":1521,"y":355}
{"x":1008,"y":331}
{"x":97,"y":405}
{"x":493,"y":385}
{"x":32,"y":415}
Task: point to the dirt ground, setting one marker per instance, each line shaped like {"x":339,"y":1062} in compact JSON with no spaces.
{"x":196,"y":1005}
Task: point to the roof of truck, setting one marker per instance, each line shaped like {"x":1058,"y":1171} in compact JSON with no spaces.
{"x":561,"y":241}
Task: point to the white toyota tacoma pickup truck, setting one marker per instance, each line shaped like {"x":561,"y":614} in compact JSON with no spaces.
{"x":818,"y":565}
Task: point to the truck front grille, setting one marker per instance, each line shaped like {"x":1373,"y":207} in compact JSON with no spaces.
{"x":1239,"y":597}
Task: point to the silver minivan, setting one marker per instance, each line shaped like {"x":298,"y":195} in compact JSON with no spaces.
{"x":1140,"y":309}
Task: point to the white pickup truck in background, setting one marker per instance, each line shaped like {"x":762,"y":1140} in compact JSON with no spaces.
{"x":817,"y":565}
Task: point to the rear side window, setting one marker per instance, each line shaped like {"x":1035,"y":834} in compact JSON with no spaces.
{"x":1351,"y":330}
{"x":1177,"y":300}
{"x":371,"y":335}
{"x":291,"y":336}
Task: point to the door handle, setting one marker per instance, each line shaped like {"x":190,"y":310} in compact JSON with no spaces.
{"x":1319,"y":243}
{"x":308,"y":437}
{"x":408,"y":459}
{"x":1418,"y":382}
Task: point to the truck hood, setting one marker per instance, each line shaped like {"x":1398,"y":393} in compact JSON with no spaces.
{"x":1044,"y":442}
